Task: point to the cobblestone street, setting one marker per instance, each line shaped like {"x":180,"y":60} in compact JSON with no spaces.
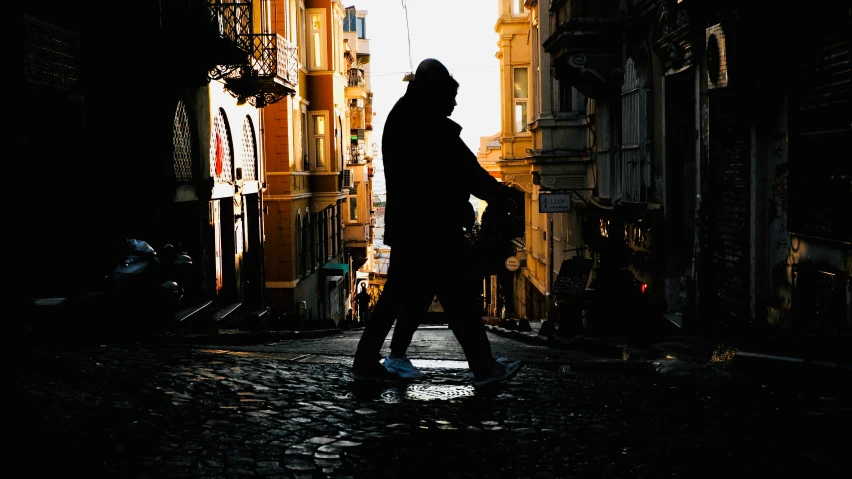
{"x":276,"y":411}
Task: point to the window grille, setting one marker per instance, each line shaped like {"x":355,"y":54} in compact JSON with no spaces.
{"x":635,"y":155}
{"x":182,"y":143}
{"x":606,"y":160}
{"x":249,"y":155}
{"x":304,"y":238}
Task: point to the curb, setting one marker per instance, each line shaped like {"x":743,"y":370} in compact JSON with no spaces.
{"x":586,"y":345}
{"x":243,"y":338}
{"x":612,"y":366}
{"x":779,"y":364}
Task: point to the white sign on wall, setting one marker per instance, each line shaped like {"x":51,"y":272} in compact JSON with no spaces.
{"x":554,"y":202}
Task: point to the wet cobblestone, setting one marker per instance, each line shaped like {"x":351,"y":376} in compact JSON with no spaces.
{"x":192,"y":412}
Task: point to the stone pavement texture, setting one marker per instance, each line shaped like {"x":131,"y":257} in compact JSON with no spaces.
{"x":290,"y":409}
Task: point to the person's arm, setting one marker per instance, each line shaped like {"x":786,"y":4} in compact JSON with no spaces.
{"x":482,"y":184}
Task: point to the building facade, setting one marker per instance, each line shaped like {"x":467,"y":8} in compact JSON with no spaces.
{"x":360,"y":215}
{"x":195,"y":177}
{"x":313,"y":203}
{"x":545,"y":152}
{"x":245,"y":161}
{"x":712,"y":184}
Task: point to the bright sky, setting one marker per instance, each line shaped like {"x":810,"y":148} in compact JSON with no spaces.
{"x":459,"y":33}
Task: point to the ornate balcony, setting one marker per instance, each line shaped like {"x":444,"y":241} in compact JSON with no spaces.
{"x":202,"y":36}
{"x":272,"y":71}
{"x":586,"y":45}
{"x":357,"y":155}
{"x":356,"y":86}
{"x":356,"y":77}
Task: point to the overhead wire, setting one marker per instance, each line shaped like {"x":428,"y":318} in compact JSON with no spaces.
{"x":408,"y":34}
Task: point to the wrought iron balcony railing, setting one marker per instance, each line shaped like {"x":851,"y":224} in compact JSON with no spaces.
{"x":272,"y":71}
{"x":202,"y":35}
{"x":233,"y":19}
{"x":357,"y":155}
{"x":356,"y":77}
{"x":275,"y":56}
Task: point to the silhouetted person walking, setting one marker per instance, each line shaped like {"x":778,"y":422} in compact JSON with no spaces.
{"x":363,"y":298}
{"x":425,"y":229}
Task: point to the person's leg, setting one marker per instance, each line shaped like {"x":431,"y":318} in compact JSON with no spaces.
{"x":397,"y":361}
{"x":404,"y":294}
{"x":460,"y":299}
{"x":408,"y":321}
{"x":377,"y":328}
{"x":408,"y":263}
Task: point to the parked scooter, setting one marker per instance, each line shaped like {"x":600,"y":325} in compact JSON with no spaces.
{"x":145,"y":288}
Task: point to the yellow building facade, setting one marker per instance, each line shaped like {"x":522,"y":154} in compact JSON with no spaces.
{"x":544,"y":138}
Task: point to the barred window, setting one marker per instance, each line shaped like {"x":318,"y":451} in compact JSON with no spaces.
{"x":334,"y":227}
{"x":322,"y":236}
{"x":182,"y":142}
{"x":302,"y":246}
{"x":635,"y":143}
{"x":312,"y":242}
{"x":249,"y":151}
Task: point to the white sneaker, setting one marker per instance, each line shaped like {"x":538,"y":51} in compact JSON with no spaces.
{"x":501,"y":361}
{"x":503,"y":369}
{"x":402,"y":367}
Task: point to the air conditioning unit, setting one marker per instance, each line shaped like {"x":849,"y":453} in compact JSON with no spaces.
{"x":348,"y":178}
{"x":716,"y":57}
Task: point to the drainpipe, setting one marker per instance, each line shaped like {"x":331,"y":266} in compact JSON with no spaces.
{"x":548,"y":296}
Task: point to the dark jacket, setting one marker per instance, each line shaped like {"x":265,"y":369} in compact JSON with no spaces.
{"x":430,"y":174}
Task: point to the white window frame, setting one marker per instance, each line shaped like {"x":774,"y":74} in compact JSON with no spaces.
{"x":518,"y":7}
{"x":520,"y":125}
{"x":337,"y":41}
{"x":361,"y":27}
{"x":353,"y":206}
{"x":301,"y":41}
{"x":301,"y":117}
{"x":319,"y":159}
{"x":318,"y":40}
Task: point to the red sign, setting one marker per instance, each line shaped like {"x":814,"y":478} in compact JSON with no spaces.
{"x":220,"y":153}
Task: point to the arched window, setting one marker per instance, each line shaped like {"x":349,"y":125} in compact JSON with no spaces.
{"x":182,"y":142}
{"x":221,"y":150}
{"x":249,"y":151}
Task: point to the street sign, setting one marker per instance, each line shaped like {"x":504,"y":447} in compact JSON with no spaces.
{"x":554,"y":202}
{"x":512,"y":263}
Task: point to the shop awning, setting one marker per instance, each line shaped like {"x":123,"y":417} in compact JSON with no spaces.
{"x":334,"y":269}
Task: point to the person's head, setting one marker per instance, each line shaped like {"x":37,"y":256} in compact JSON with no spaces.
{"x":435,"y":86}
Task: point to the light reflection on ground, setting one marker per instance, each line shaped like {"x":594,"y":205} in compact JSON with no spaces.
{"x":723,"y":354}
